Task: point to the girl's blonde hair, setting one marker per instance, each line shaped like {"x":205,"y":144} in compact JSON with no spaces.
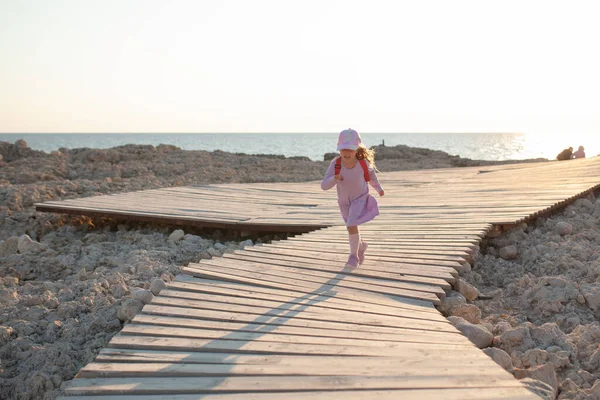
{"x":362,"y":153}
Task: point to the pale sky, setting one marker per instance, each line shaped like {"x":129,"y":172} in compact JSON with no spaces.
{"x":299,"y":66}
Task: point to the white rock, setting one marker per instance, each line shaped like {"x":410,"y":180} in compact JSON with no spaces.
{"x":26,"y":245}
{"x":501,"y":327}
{"x":508,"y":252}
{"x":157,"y":285}
{"x":469,"y":312}
{"x":585,"y":203}
{"x":477,"y":334}
{"x":591,"y":293}
{"x":466,"y":289}
{"x":453,"y":299}
{"x":145,"y":296}
{"x":517,"y":337}
{"x":176,"y":235}
{"x":246,"y":243}
{"x":213,"y":252}
{"x":192,"y":238}
{"x":129,"y":310}
{"x":500,"y":357}
{"x":563,"y":228}
{"x":464,"y":267}
{"x":220,"y":246}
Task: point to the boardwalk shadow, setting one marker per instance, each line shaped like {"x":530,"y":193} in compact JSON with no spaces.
{"x":264,"y":324}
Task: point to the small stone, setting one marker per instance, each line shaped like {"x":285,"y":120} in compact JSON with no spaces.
{"x":26,"y":245}
{"x":145,"y":296}
{"x":508,"y":252}
{"x":450,"y":301}
{"x":464,"y":267}
{"x":469,"y":312}
{"x":176,"y":235}
{"x":157,"y":285}
{"x":129,"y":310}
{"x":466,"y":289}
{"x":585,"y":203}
{"x":219,"y":246}
{"x":213,"y":252}
{"x":477,"y":334}
{"x":563,"y":228}
{"x":500,"y":357}
{"x":246,"y":243}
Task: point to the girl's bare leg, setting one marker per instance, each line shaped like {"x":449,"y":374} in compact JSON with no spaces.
{"x":362,"y":245}
{"x":354,"y":240}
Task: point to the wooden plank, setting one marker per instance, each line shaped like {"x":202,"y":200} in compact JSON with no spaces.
{"x":303,"y":311}
{"x":267,"y":336}
{"x":327,"y":253}
{"x":340,"y":247}
{"x":285,"y":318}
{"x":307,"y":307}
{"x":400,"y":335}
{"x":305,"y":271}
{"x":431,"y":269}
{"x":412,"y":355}
{"x":497,"y":393}
{"x":276,"y":281}
{"x":318,"y":302}
{"x":183,"y":385}
{"x":374,"y":301}
{"x":256,"y":347}
{"x":306,"y":366}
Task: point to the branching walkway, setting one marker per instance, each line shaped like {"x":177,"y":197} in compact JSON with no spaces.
{"x":287,"y":321}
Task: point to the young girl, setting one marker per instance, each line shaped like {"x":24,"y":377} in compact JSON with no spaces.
{"x":357,"y":206}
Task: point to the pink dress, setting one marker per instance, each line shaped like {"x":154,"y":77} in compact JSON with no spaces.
{"x":357,"y":206}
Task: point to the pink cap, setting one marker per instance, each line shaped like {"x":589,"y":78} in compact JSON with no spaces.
{"x":348,"y":139}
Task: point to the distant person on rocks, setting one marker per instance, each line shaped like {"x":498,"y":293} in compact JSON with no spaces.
{"x":565,"y":154}
{"x":351,"y":173}
{"x":579,"y":153}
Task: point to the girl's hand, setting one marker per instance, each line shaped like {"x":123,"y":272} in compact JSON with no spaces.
{"x":381,"y":193}
{"x":338,"y":177}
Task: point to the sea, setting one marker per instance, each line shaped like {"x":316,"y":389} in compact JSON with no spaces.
{"x":477,"y":146}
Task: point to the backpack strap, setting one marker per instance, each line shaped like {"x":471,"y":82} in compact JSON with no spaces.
{"x":365,"y":168}
{"x":363,"y":164}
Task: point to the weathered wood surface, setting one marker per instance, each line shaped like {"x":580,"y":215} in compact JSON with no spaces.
{"x":287,"y":320}
{"x":503,"y":194}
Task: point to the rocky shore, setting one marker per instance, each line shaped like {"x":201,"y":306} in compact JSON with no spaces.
{"x":68,"y":284}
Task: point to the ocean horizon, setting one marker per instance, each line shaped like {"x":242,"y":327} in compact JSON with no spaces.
{"x":477,"y":146}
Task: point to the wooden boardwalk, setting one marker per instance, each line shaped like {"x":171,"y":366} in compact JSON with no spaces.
{"x":287,"y":320}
